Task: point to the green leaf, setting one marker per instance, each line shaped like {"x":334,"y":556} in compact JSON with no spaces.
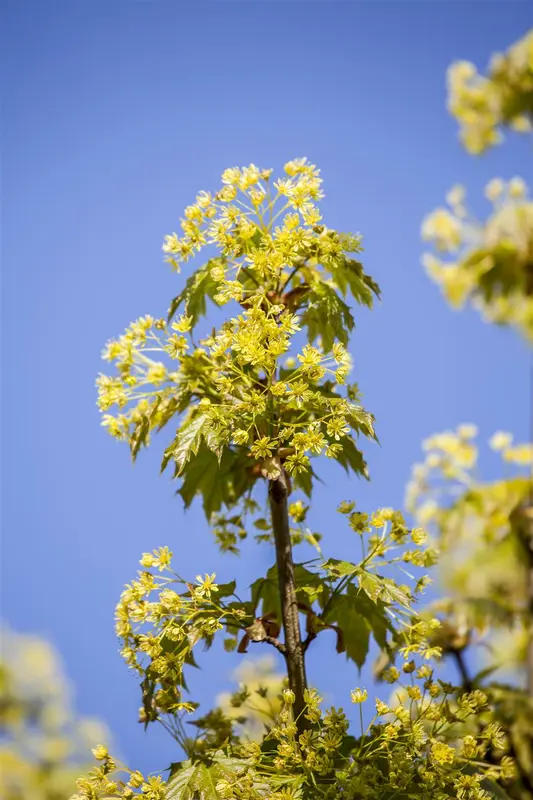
{"x":188,"y":440}
{"x":384,"y":589}
{"x":197,"y":781}
{"x":198,"y":287}
{"x":226,"y":589}
{"x":349,"y":274}
{"x":357,"y":615}
{"x":351,"y":457}
{"x":361,"y":421}
{"x":392,"y":593}
{"x":327,"y":316}
{"x":370,"y":584}
{"x":304,"y":481}
{"x":265,"y":591}
{"x":141,"y":435}
{"x":219,"y":484}
{"x":345,"y":611}
{"x":340,"y":568}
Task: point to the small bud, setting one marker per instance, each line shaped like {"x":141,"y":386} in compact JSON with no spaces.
{"x":288,"y":696}
{"x":100,"y":752}
{"x":136,"y":780}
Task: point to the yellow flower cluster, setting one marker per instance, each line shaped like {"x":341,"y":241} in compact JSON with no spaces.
{"x":483,"y":105}
{"x":403,"y":749}
{"x":225,"y":376}
{"x":112,"y":779}
{"x":248,"y":388}
{"x":225,"y":218}
{"x":491,"y":263}
{"x":406,"y":747}
{"x":479,"y":526}
{"x":43,"y":747}
{"x":159,"y":620}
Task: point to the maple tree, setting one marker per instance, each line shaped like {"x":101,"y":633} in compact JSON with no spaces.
{"x":253,"y":406}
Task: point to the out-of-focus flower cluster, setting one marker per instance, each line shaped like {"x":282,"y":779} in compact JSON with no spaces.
{"x":489,"y":263}
{"x":255,"y":706}
{"x":483,"y":105}
{"x":43,"y":746}
{"x":481,"y":527}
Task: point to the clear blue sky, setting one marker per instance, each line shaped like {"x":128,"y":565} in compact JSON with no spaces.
{"x":115,"y":115}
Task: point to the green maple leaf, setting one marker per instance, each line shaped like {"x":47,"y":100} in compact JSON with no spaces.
{"x":199,"y":286}
{"x":188,"y":441}
{"x":327,"y":316}
{"x":349,"y":274}
{"x":197,"y":781}
{"x":220,"y":483}
{"x":358,"y":616}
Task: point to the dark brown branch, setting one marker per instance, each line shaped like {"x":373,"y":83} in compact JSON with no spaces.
{"x":278,"y":491}
{"x":466,"y":680}
{"x":522,"y":522}
{"x":528,"y":542}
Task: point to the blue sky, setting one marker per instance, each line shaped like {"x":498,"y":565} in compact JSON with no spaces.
{"x":115,"y":115}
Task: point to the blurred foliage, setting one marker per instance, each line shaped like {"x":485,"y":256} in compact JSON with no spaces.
{"x":256,"y":704}
{"x":484,"y":532}
{"x":43,"y":746}
{"x":490,"y":263}
{"x":478,"y":527}
{"x":484,"y":528}
{"x":483,"y":105}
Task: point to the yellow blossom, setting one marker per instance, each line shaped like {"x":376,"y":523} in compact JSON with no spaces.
{"x":358,"y":695}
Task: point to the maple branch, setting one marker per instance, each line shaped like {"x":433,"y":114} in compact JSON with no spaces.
{"x":275,"y":643}
{"x":467,"y":684}
{"x":278,"y":492}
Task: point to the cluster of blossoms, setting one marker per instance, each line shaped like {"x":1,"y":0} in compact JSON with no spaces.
{"x":483,"y":521}
{"x":236,"y":397}
{"x":404,"y":748}
{"x":415,"y":743}
{"x":225,"y":219}
{"x":482,"y":105}
{"x":161,"y":617}
{"x":490,"y":263}
{"x":249,"y":387}
{"x":113,"y":779}
{"x":159,"y":628}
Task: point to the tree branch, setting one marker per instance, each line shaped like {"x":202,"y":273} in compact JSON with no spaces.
{"x":275,"y":643}
{"x":278,"y":492}
{"x":467,"y":684}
